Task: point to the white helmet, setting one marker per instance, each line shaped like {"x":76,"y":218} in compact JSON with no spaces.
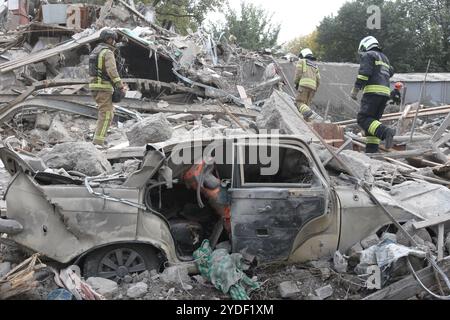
{"x":368,"y":43}
{"x":306,"y":52}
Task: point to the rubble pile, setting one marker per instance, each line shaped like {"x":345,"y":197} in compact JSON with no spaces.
{"x":187,"y":88}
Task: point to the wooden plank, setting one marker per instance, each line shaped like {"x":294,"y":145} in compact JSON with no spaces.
{"x":399,"y":154}
{"x":439,"y":132}
{"x":409,"y":287}
{"x":432,"y":222}
{"x":397,"y":115}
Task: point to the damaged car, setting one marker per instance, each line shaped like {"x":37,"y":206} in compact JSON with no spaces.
{"x":268,"y":196}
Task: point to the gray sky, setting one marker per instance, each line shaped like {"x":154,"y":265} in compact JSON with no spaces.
{"x":297,"y":17}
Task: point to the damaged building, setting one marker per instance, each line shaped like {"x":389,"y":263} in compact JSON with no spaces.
{"x":209,"y":163}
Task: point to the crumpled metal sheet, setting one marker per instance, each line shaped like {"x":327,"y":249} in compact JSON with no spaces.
{"x":424,"y":199}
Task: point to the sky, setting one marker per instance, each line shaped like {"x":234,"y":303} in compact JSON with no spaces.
{"x":297,"y":17}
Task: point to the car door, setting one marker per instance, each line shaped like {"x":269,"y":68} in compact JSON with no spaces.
{"x":269,"y":209}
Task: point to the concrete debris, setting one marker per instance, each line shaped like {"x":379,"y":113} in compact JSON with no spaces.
{"x":43,"y":121}
{"x":370,"y":241}
{"x":324,"y":292}
{"x":325,"y":273}
{"x":421,"y":234}
{"x":137,"y":290}
{"x":362,"y":269}
{"x":199,"y":279}
{"x":57,"y":132}
{"x":319,"y":264}
{"x":340,"y":262}
{"x":77,"y":156}
{"x":176,"y":274}
{"x":182,"y":117}
{"x":200,"y":87}
{"x":105,"y":287}
{"x":288,"y":289}
{"x":152,"y":129}
{"x":5,"y":267}
{"x":279,"y":113}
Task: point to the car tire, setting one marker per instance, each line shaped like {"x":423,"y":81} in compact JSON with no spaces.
{"x":117,"y":261}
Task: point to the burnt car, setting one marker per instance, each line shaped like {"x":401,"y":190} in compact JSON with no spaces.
{"x":269,"y":196}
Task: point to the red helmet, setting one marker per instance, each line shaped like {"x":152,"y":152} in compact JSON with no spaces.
{"x":398,"y":85}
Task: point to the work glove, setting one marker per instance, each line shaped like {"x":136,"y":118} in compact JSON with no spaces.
{"x":354,"y":94}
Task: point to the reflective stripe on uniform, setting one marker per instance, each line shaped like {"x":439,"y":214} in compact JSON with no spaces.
{"x":115,"y":80}
{"x":372,"y":140}
{"x":304,"y":108}
{"x":377,"y":89}
{"x":364,"y":78}
{"x":382,"y":63}
{"x":105,"y":124}
{"x":307,"y":82}
{"x":99,"y":139}
{"x":373,"y":127}
{"x":100,"y":84}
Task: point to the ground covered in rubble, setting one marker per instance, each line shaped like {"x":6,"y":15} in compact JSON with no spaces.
{"x":153,"y":286}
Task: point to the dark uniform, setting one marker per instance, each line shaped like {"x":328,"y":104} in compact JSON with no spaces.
{"x":374,"y":74}
{"x":396,"y":97}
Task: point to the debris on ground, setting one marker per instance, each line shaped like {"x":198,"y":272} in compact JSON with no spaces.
{"x":194,"y":88}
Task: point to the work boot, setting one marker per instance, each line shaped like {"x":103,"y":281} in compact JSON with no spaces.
{"x":372,"y":148}
{"x":389,"y":138}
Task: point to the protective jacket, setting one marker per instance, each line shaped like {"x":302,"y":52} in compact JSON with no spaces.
{"x":307,"y":74}
{"x":103,"y":69}
{"x":374,"y":73}
{"x":396,"y":96}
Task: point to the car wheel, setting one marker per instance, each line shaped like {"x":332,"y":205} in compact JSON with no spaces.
{"x":116,"y":262}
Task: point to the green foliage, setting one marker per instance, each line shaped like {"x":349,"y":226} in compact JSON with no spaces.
{"x":251,"y":25}
{"x":300,"y":43}
{"x":184,"y":14}
{"x":412,"y":32}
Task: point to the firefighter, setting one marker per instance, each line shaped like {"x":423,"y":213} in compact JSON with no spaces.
{"x":307,"y":81}
{"x":396,"y":96}
{"x":104,"y":80}
{"x":373,"y":78}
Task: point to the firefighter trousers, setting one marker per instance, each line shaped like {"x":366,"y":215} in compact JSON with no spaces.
{"x":105,"y":115}
{"x":304,"y":100}
{"x":372,"y":108}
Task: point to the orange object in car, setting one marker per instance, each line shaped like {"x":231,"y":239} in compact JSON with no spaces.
{"x":217,"y":197}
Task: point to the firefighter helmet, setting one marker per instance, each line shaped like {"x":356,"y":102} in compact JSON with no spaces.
{"x":398,"y":85}
{"x":367,"y":44}
{"x":306,"y":53}
{"x":108,"y":33}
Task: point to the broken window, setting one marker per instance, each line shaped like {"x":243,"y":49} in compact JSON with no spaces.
{"x":275,"y":165}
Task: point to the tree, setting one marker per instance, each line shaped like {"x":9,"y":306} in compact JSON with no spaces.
{"x":308,"y":41}
{"x":251,"y":25}
{"x":184,"y":14}
{"x":412,"y":32}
